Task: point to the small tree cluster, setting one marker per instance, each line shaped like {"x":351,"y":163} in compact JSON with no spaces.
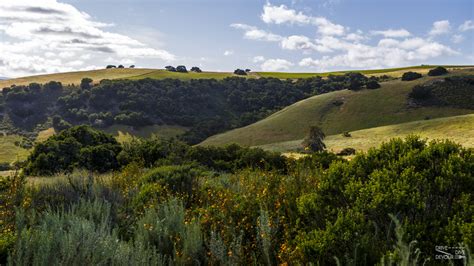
{"x":438,"y":71}
{"x":240,"y":72}
{"x":407,"y":76}
{"x":180,"y":68}
{"x":196,"y":69}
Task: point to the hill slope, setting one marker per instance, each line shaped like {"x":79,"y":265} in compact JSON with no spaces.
{"x":141,"y":73}
{"x":457,"y":128}
{"x":360,"y":110}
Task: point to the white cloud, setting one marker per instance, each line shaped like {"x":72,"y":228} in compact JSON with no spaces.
{"x":44,"y":33}
{"x":391,"y":33}
{"x":276,"y":65}
{"x":387,"y":53}
{"x":356,"y":36}
{"x":467,"y":25}
{"x":228,"y":52}
{"x":253,"y":33}
{"x":300,"y":42}
{"x":282,"y":14}
{"x":440,"y":27}
{"x":258,"y":59}
{"x":336,"y":47}
{"x":457,"y":38}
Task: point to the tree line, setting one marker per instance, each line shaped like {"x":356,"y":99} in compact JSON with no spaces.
{"x":205,"y":106}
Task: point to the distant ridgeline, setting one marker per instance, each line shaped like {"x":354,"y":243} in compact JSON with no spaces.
{"x":206,"y":106}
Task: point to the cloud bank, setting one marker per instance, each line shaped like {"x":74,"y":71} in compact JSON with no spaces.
{"x":49,"y":36}
{"x":336,"y":46}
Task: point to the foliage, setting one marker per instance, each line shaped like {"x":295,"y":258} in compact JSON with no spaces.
{"x":196,"y":69}
{"x":314,"y":140}
{"x":427,"y":185}
{"x":177,"y":204}
{"x":79,"y":146}
{"x":240,"y":72}
{"x":451,"y":91}
{"x":206,"y":106}
{"x":372,"y":85}
{"x":438,"y":71}
{"x":410,"y":75}
{"x":82,"y":235}
{"x":347,"y":151}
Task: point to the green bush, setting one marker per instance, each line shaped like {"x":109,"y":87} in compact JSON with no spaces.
{"x":83,"y":235}
{"x":438,"y":71}
{"x":408,"y":76}
{"x":426,"y":184}
{"x":80,"y":146}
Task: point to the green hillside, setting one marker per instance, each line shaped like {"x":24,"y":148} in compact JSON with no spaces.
{"x":9,"y":152}
{"x":141,"y":73}
{"x":360,"y":110}
{"x":459,"y":129}
{"x":76,"y":77}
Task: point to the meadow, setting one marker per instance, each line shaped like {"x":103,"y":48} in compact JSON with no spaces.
{"x":456,"y":128}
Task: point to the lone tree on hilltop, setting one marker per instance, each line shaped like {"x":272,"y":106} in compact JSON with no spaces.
{"x":110,"y":66}
{"x":240,"y":72}
{"x":121,"y":66}
{"x":314,"y":140}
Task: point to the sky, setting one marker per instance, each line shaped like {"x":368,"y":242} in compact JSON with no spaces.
{"x":48,"y":36}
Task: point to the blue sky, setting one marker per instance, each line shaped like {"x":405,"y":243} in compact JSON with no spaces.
{"x":44,"y":36}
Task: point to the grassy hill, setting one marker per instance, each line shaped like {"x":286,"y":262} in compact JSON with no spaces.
{"x":457,"y":128}
{"x":9,"y":152}
{"x":76,"y":77}
{"x":141,"y":73}
{"x":360,"y":110}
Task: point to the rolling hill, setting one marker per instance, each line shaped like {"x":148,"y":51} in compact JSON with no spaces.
{"x":457,"y":128}
{"x":141,"y":73}
{"x":360,"y":110}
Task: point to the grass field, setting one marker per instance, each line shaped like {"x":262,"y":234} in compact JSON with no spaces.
{"x":76,"y":77}
{"x":457,"y":128}
{"x":162,"y":74}
{"x":361,"y":110}
{"x":125,"y":133}
{"x":9,"y":152}
{"x":394,"y":72}
{"x":141,"y":73}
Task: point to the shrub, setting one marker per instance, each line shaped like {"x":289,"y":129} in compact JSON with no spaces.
{"x":347,"y":151}
{"x":80,"y":146}
{"x":196,"y":69}
{"x":110,"y":66}
{"x":83,"y":235}
{"x":170,"y":68}
{"x":407,"y":76}
{"x":372,"y":85}
{"x":346,"y":134}
{"x":438,"y":71}
{"x":420,"y":92}
{"x":181,"y":69}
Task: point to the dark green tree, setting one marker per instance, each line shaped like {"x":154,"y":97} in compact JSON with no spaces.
{"x":314,"y":140}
